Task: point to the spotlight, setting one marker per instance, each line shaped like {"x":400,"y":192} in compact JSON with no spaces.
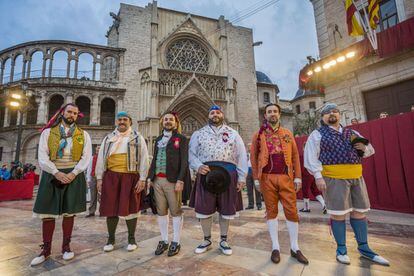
{"x":326,"y":66}
{"x":350,"y":54}
{"x":340,"y":59}
{"x":317,"y":69}
{"x":14,"y":104}
{"x":310,"y":73}
{"x":16,"y":96}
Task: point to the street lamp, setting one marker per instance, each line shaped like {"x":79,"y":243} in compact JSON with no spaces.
{"x":22,"y":104}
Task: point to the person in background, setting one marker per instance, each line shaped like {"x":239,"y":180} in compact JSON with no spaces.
{"x":91,"y":180}
{"x":252,"y":192}
{"x":354,"y":121}
{"x":383,"y":115}
{"x":30,"y":174}
{"x":4,"y":173}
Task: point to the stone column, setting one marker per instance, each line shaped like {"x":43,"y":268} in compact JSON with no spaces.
{"x":44,"y":66}
{"x":69,"y":97}
{"x":75,"y":75}
{"x":29,"y":67}
{"x":42,"y":109}
{"x":1,"y":73}
{"x":120,"y":103}
{"x":50,"y":67}
{"x":24,"y":69}
{"x":95,"y":110}
{"x":94,"y":70}
{"x":6,"y":117}
{"x":68,"y":68}
{"x":12,"y":69}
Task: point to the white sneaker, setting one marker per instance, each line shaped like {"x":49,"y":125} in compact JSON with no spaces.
{"x":225,"y":248}
{"x":38,"y":260}
{"x":108,"y":247}
{"x":343,"y":259}
{"x":68,"y":256}
{"x":203,"y":247}
{"x":379,"y":260}
{"x":131,"y":247}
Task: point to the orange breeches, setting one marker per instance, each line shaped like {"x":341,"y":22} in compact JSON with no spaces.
{"x":275,"y":187}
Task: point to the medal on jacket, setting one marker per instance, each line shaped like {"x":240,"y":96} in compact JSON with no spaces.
{"x":225,"y":137}
{"x":177,"y":143}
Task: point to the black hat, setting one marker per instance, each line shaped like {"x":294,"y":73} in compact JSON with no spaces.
{"x":362,"y":140}
{"x":217,"y":180}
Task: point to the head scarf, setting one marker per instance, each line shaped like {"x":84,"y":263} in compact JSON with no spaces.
{"x":215,"y":107}
{"x":327,"y":108}
{"x":57,"y":117}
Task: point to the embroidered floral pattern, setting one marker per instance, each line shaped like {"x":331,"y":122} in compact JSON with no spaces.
{"x":273,"y":142}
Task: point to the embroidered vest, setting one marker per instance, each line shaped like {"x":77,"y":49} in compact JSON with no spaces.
{"x":220,"y":146}
{"x":336,"y":147}
{"x":78,"y":141}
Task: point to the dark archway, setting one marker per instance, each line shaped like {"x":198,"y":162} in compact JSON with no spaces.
{"x":107,"y":117}
{"x":84,"y":104}
{"x":55,"y":103}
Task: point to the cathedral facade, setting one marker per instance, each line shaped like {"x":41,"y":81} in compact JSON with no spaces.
{"x":155,"y":60}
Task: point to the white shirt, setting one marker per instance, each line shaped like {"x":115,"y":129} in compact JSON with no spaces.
{"x":312,"y":151}
{"x":123,"y":148}
{"x":210,"y":134}
{"x":48,"y":166}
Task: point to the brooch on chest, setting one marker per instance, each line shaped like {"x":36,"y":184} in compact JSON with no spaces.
{"x":225,"y":137}
{"x":176,"y":143}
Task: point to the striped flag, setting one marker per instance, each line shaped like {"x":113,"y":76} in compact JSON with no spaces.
{"x":373,"y":11}
{"x":352,"y":19}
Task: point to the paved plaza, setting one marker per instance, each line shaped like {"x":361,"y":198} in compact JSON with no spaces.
{"x":391,"y":234}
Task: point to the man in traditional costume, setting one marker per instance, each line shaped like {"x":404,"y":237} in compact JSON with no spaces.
{"x":218,"y":154}
{"x":276,"y":166}
{"x":167,"y":175}
{"x":333,"y":155}
{"x":65,"y":151}
{"x":121,"y":171}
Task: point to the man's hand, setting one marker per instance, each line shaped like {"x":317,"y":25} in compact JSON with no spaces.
{"x":179,"y":186}
{"x":149,"y":182}
{"x":298,"y":184}
{"x":71,"y":176}
{"x":320,"y":183}
{"x":62,"y":177}
{"x":360,"y":146}
{"x":140,"y":186}
{"x":240,"y":186}
{"x":203,"y":169}
{"x":99,"y":185}
{"x":257,"y":185}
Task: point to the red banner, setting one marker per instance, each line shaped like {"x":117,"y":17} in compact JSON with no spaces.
{"x":16,"y":189}
{"x":389,"y":173}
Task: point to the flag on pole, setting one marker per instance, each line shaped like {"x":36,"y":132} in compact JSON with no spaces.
{"x":352,"y":19}
{"x":373,"y":11}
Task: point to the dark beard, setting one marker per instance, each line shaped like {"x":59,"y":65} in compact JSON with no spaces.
{"x":332,"y":120}
{"x":68,"y":122}
{"x":210,"y":121}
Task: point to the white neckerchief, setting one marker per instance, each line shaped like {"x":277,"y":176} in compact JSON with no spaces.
{"x":165,"y":138}
{"x":216,"y":129}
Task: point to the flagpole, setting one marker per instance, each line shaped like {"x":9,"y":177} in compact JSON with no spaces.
{"x":372,"y":32}
{"x":365,"y":27}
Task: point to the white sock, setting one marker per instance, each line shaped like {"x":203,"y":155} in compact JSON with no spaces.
{"x":272,"y":225}
{"x":177,"y":225}
{"x":320,"y":199}
{"x":306,"y":201}
{"x":293,"y":228}
{"x":163,"y":224}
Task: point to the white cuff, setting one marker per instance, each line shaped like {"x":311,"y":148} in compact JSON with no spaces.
{"x":317,"y":175}
{"x":297,"y":180}
{"x":55,"y":171}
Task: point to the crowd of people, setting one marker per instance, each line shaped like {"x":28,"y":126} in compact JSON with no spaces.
{"x":121,"y":175}
{"x":17,"y":171}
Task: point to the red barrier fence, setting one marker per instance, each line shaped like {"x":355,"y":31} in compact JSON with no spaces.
{"x":16,"y":189}
{"x":389,"y":173}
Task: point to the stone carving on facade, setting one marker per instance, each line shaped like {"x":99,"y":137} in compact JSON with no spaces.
{"x":189,"y":125}
{"x":189,"y":55}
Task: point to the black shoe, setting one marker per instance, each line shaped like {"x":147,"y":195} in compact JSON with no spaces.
{"x":259,"y":208}
{"x":303,"y":210}
{"x":162,"y":246}
{"x":249,"y":207}
{"x":324,"y":210}
{"x":174,"y":249}
{"x":90,"y":215}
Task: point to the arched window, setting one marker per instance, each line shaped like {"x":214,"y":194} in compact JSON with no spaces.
{"x":31,"y":116}
{"x":266,"y":97}
{"x":60,"y":63}
{"x":84,"y":104}
{"x":18,"y":68}
{"x":55,"y":103}
{"x":107,"y":112}
{"x":85,"y":66}
{"x":7,"y":70}
{"x":2,"y":113}
{"x":189,"y":55}
{"x":36,"y":65}
{"x":13,"y":117}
